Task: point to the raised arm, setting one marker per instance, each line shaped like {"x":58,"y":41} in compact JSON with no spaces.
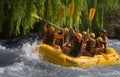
{"x":74,"y":34}
{"x":45,"y":26}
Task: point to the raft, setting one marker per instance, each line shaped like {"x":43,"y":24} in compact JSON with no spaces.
{"x":56,"y":56}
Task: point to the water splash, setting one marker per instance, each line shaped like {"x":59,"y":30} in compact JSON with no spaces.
{"x":29,"y":51}
{"x":26,"y":63}
{"x":2,"y":48}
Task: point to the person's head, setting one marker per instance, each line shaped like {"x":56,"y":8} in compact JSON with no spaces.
{"x":92,"y":35}
{"x":99,"y":39}
{"x":80,"y":35}
{"x":66,"y":29}
{"x":51,"y":28}
{"x":102,"y":32}
{"x":84,"y":33}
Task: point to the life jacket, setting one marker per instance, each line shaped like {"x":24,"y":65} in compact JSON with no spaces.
{"x":59,"y":41}
{"x":105,"y":43}
{"x":90,"y":46}
{"x":104,"y":38}
{"x":66,"y":37}
{"x":99,"y":45}
{"x":76,"y":47}
{"x":49,"y":38}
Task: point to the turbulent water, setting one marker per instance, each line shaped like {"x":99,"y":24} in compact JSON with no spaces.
{"x":18,"y":60}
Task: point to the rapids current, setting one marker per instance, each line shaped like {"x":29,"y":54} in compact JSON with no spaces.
{"x":18,"y":60}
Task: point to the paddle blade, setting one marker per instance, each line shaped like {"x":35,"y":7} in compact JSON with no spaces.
{"x":36,"y":16}
{"x":71,"y":10}
{"x":61,"y":12}
{"x":105,"y":56}
{"x":92,"y":14}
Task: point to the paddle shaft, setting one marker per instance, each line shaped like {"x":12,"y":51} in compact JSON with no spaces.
{"x":104,"y":55}
{"x":51,"y":23}
{"x":40,"y":18}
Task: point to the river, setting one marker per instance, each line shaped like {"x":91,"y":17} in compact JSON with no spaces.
{"x":18,"y":60}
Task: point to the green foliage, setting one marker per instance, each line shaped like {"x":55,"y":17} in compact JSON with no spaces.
{"x":16,"y":19}
{"x":1,"y":14}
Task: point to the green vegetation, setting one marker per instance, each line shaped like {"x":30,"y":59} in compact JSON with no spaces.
{"x":16,"y":19}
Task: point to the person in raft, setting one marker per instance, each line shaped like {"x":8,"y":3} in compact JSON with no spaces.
{"x":49,"y":34}
{"x":105,"y":39}
{"x":59,"y":38}
{"x":90,"y":44}
{"x":99,"y":45}
{"x":62,"y":37}
{"x":76,"y":44}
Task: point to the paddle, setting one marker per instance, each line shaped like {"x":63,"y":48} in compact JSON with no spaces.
{"x":40,"y":18}
{"x":70,"y":12}
{"x":104,"y":55}
{"x":91,"y":14}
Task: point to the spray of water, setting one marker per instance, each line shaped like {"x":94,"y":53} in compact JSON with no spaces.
{"x":29,"y":63}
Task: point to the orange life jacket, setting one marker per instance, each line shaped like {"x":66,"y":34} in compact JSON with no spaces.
{"x":90,"y":46}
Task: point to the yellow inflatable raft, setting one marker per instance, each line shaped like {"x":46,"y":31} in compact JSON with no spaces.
{"x":56,"y":56}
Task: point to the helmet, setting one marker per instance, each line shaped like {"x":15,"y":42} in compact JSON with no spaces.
{"x":99,"y":39}
{"x":66,"y":29}
{"x":84,"y":32}
{"x":51,"y":28}
{"x":104,"y":31}
{"x":80,"y":35}
{"x":92,"y":35}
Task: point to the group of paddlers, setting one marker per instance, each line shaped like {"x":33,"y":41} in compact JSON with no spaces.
{"x":83,"y":43}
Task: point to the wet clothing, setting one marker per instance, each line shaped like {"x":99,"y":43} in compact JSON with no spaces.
{"x":105,"y":43}
{"x":100,"y":46}
{"x":59,"y":42}
{"x":104,"y":39}
{"x":59,"y":39}
{"x":49,"y":37}
{"x":76,"y":47}
{"x":66,"y":37}
{"x":76,"y":44}
{"x":90,"y":46}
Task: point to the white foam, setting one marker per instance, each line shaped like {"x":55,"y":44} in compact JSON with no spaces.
{"x":30,"y":52}
{"x":3,"y":48}
{"x":1,"y":70}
